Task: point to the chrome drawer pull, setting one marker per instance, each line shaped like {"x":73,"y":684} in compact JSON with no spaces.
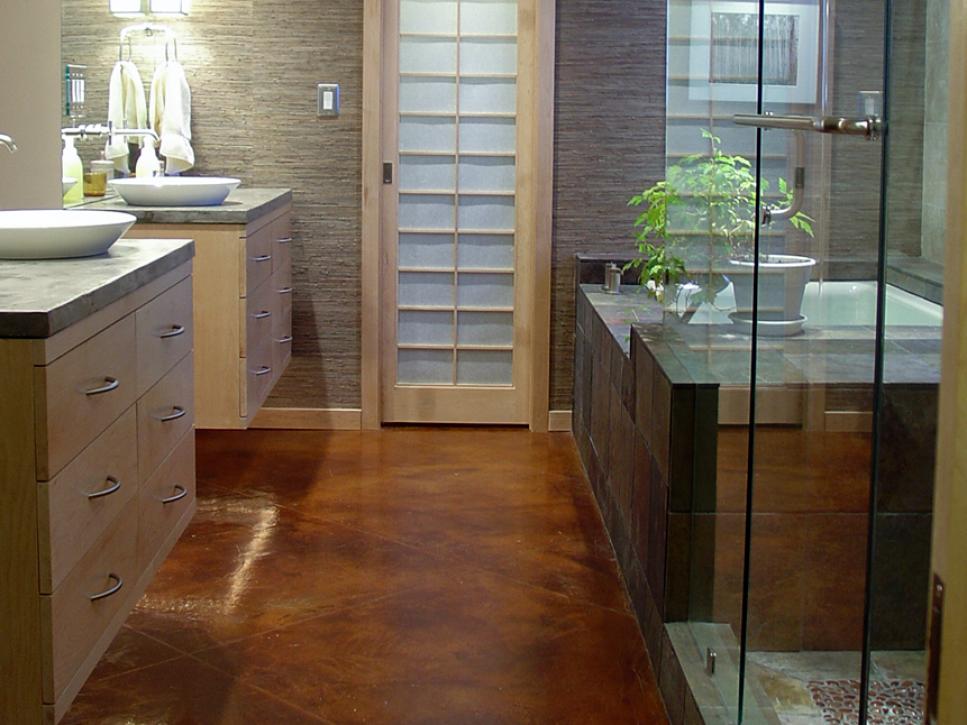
{"x":262,"y":258}
{"x":182,"y":492}
{"x":176,"y":412}
{"x":110,"y":384}
{"x":118,"y":583}
{"x":262,"y":315}
{"x":175,"y":331}
{"x":113,"y":488}
{"x":264,"y":370}
{"x":285,"y":291}
{"x":285,"y":340}
{"x":283,"y":240}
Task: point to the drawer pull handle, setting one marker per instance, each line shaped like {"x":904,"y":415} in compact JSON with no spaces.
{"x":175,"y":331}
{"x":285,"y":340}
{"x":113,"y":488}
{"x":285,"y":291}
{"x":114,"y":589}
{"x":264,"y":370}
{"x":262,"y":258}
{"x":182,"y":492}
{"x":109,"y":385}
{"x":262,"y":315}
{"x":176,"y":412}
{"x":284,"y":240}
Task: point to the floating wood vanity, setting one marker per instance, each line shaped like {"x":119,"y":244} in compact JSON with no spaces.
{"x":97,"y":456}
{"x":243,"y":296}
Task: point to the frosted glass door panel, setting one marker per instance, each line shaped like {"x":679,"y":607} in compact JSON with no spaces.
{"x":479,"y":173}
{"x":488,"y":135}
{"x":428,"y":16}
{"x":488,"y":16}
{"x":488,"y":251}
{"x":486,"y":212}
{"x":486,"y":328}
{"x":488,"y":95}
{"x":426,"y":250}
{"x":428,"y":134}
{"x":434,"y":95}
{"x":428,"y":173}
{"x":485,"y":290}
{"x":425,"y":367}
{"x":428,"y":55}
{"x":485,"y":367}
{"x":488,"y":56}
{"x":426,"y":289}
{"x":426,"y":211}
{"x":418,"y":327}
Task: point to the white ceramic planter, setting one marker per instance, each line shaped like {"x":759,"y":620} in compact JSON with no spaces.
{"x":782,"y":282}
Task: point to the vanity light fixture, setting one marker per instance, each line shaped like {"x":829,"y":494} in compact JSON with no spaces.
{"x":128,"y":8}
{"x":170,"y":7}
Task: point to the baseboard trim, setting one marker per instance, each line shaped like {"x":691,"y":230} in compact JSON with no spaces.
{"x":309,"y":419}
{"x":559,"y":421}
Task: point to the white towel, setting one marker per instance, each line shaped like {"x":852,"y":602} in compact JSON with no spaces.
{"x":171,"y":116}
{"x":125,"y":109}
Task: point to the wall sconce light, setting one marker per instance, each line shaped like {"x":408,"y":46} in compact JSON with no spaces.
{"x":127,"y":8}
{"x":170,"y":7}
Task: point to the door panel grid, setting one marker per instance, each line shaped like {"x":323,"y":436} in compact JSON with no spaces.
{"x":457,"y":147}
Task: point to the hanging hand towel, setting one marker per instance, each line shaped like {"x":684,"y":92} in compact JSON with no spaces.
{"x":171,"y":116}
{"x":125,"y":109}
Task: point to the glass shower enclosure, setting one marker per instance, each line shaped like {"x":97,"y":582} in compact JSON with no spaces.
{"x":806,"y":145}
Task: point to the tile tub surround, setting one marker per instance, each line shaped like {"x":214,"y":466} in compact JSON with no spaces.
{"x":39,"y":298}
{"x":242,"y":206}
{"x":650,"y":392}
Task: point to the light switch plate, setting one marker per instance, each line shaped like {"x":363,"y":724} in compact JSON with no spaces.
{"x":327,"y":100}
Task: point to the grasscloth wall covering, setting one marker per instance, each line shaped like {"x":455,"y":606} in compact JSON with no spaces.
{"x":253,"y":66}
{"x":610,"y":142}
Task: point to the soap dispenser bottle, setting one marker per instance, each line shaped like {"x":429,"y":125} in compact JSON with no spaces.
{"x":73,"y":169}
{"x":148,"y":164}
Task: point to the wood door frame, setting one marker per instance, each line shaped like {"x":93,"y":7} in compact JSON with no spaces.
{"x":536,"y":164}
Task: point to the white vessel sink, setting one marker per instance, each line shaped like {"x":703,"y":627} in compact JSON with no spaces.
{"x":60,"y":233}
{"x":67,"y":182}
{"x":175,"y":190}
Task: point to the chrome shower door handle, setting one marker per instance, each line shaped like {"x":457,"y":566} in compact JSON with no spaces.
{"x":870,"y":127}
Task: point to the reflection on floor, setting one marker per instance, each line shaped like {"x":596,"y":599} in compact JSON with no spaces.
{"x":402,"y":576}
{"x":823,"y":687}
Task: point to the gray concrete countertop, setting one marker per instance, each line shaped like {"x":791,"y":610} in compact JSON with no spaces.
{"x":39,"y":298}
{"x":242,"y":206}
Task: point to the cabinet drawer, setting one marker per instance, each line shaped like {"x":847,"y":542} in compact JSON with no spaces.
{"x":164,"y":332}
{"x":282,"y":245}
{"x":258,"y":310}
{"x":258,"y":259}
{"x":79,"y":612}
{"x":165,"y":498}
{"x":82,"y":501}
{"x":257,"y":378}
{"x":281,"y":325}
{"x":165,"y":414}
{"x":82,"y":393}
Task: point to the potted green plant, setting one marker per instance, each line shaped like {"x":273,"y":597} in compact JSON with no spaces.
{"x":714,"y":197}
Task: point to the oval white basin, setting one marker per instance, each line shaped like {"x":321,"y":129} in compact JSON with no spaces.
{"x":175,"y":190}
{"x":60,"y":233}
{"x":67,"y":183}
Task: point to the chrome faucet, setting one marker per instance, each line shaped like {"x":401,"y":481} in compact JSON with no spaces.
{"x":100,"y":129}
{"x":8,"y":142}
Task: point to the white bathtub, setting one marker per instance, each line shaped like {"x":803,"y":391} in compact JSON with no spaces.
{"x":854,"y":303}
{"x":838,"y":304}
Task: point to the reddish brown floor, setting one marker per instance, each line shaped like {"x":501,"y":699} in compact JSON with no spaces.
{"x":431,"y":576}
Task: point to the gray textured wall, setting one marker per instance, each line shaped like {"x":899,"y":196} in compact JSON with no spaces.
{"x":253,"y":66}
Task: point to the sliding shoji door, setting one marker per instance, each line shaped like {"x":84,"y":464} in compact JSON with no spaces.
{"x":455,"y":345}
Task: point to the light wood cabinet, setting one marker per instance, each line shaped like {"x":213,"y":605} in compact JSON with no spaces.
{"x":97,"y":478}
{"x":243,"y":312}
